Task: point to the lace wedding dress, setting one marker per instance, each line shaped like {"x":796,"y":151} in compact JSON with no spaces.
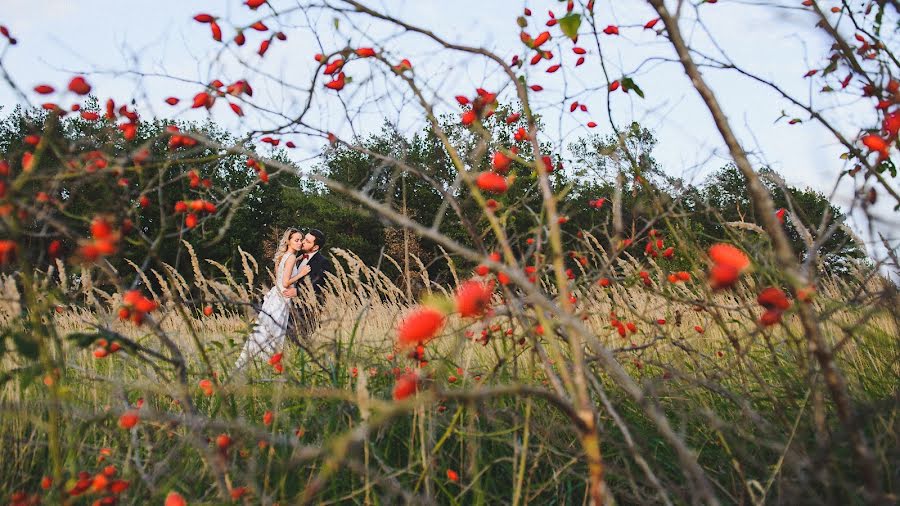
{"x":271,"y":323}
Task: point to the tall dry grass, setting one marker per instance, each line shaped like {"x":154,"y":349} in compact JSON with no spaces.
{"x":738,"y":393}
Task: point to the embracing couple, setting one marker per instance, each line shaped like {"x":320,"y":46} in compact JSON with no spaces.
{"x":298,"y":260}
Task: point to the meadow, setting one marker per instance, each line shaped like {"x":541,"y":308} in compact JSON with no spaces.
{"x":486,"y":425}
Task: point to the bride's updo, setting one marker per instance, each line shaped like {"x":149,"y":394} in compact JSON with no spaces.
{"x":283,"y":244}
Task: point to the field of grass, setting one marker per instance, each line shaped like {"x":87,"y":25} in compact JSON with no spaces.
{"x":486,"y":426}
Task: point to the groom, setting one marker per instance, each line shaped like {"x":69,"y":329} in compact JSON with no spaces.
{"x":305,"y":321}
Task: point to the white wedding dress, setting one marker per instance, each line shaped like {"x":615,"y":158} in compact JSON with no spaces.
{"x":271,"y":323}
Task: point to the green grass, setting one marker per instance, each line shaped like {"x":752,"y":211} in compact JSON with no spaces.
{"x":481,"y":441}
{"x":758,"y":430}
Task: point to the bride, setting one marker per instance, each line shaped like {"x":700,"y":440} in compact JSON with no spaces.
{"x":272,"y":323}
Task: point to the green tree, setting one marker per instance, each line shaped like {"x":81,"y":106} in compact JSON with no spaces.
{"x":723,"y":199}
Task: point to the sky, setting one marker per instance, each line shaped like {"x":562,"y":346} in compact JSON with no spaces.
{"x":148,"y":51}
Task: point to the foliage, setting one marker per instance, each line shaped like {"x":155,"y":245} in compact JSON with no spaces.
{"x":528,"y":313}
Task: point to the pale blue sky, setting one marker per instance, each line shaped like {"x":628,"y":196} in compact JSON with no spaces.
{"x":105,"y":38}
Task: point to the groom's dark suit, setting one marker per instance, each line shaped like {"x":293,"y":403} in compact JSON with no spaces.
{"x":306,"y":317}
{"x":318,"y":265}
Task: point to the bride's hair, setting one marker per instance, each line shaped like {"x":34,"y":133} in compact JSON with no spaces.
{"x":283,"y":244}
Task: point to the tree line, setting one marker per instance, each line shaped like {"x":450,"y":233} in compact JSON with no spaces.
{"x":412,"y":173}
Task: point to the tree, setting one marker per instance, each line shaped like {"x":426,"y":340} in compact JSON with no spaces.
{"x":724,"y":195}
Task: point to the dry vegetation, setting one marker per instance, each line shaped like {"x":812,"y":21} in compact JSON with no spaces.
{"x":735,"y":391}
